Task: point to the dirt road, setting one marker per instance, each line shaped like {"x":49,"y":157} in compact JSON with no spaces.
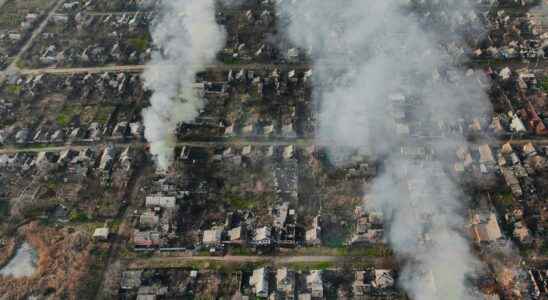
{"x":141,"y":68}
{"x":170,"y":262}
{"x":257,"y":142}
{"x":202,"y":144}
{"x":28,"y":44}
{"x":124,"y":231}
{"x":12,"y":68}
{"x":2,"y":2}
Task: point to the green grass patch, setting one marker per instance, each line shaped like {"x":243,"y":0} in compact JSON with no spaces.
{"x":52,"y":185}
{"x":36,"y":146}
{"x":14,"y":89}
{"x":241,"y":203}
{"x":365,"y":251}
{"x":544,"y":247}
{"x":68,"y":113}
{"x":505,"y":199}
{"x":229,"y":60}
{"x":337,"y":239}
{"x":78,"y":217}
{"x":11,"y":20}
{"x":308,"y":266}
{"x":100,"y":252}
{"x":204,"y":252}
{"x":544,"y":84}
{"x":103,"y":114}
{"x":240,"y":250}
{"x":21,"y":64}
{"x":114,"y":225}
{"x":94,"y":276}
{"x":140,"y":43}
{"x":219,"y":266}
{"x":127,"y":253}
{"x":4,"y":207}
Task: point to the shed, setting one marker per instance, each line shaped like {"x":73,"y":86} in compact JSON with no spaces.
{"x":101,"y":233}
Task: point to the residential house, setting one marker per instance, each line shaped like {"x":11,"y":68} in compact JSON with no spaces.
{"x":313,"y":235}
{"x":285,"y":283}
{"x":486,"y":155}
{"x":212,"y":236}
{"x":101,"y":234}
{"x":259,"y":282}
{"x":107,"y":159}
{"x":288,"y":152}
{"x":314,"y":283}
{"x":237,"y":234}
{"x":263,"y":236}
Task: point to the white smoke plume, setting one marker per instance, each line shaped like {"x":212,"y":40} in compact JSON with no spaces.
{"x":188,"y":39}
{"x":387,"y":86}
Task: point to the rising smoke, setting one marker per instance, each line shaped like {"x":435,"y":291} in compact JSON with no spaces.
{"x":188,"y":39}
{"x":386,"y":83}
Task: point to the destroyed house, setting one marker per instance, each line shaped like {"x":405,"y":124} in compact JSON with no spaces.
{"x":373,"y":282}
{"x":131,"y":280}
{"x":237,"y":234}
{"x":314,"y":283}
{"x":285,"y":283}
{"x":313,"y":235}
{"x":259,"y":282}
{"x":149,"y":219}
{"x":160,"y":201}
{"x":215,"y":88}
{"x":485,"y":228}
{"x":146,"y":238}
{"x":107,"y":159}
{"x":263,"y":236}
{"x":212,"y":236}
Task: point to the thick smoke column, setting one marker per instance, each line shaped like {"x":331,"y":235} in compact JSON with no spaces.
{"x":388,"y":87}
{"x":188,"y":39}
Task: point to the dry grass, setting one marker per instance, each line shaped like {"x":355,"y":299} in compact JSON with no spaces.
{"x":63,"y":262}
{"x":7,"y":252}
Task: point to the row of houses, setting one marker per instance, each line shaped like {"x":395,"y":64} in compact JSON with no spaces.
{"x":52,"y":48}
{"x":52,"y":135}
{"x":370,"y":282}
{"x":283,"y":232}
{"x":265,"y":282}
{"x":513,"y":36}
